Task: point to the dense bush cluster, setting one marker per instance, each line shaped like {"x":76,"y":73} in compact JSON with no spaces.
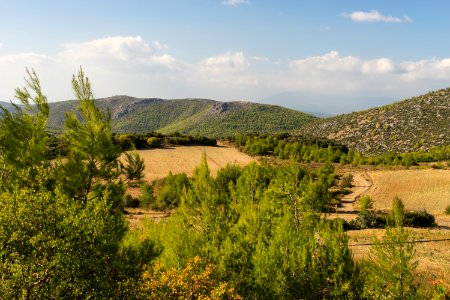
{"x":377,"y":219}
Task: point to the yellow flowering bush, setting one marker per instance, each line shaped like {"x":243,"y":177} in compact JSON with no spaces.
{"x":194,"y":281}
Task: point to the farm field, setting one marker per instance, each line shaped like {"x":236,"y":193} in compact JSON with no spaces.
{"x":184,"y":159}
{"x":427,"y":189}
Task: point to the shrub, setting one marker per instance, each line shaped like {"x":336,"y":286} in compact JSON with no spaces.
{"x":154,"y":142}
{"x":130,"y":201}
{"x":418,"y":219}
{"x":346,"y":181}
{"x":368,"y":219}
{"x":447,"y":210}
{"x":146,"y":198}
{"x":365,"y":203}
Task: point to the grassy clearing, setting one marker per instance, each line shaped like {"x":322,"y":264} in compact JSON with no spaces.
{"x":427,"y":189}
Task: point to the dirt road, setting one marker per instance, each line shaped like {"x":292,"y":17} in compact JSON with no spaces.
{"x":360,"y":184}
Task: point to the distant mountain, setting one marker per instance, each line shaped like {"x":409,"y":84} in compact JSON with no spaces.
{"x":6,"y":105}
{"x":189,"y":116}
{"x":410,"y":125}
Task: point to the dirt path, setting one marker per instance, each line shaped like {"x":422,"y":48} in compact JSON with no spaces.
{"x":361,"y":183}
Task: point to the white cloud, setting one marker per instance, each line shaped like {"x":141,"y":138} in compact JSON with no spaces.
{"x":235,"y":2}
{"x":119,"y":47}
{"x":260,"y":58}
{"x":24,"y":58}
{"x":333,"y":62}
{"x":375,"y":16}
{"x":1,"y":45}
{"x":228,"y":62}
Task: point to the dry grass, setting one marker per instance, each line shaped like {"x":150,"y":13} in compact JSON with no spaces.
{"x":184,"y":159}
{"x":433,"y":258}
{"x":427,"y":189}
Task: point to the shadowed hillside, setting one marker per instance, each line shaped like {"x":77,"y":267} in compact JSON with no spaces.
{"x":189,"y":116}
{"x":410,"y":125}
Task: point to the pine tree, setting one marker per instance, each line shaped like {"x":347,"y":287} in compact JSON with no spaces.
{"x":23,"y":139}
{"x":392,"y":265}
{"x":92,"y":164}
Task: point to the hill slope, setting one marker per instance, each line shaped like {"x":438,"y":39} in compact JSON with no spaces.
{"x":410,"y":125}
{"x":189,"y":116}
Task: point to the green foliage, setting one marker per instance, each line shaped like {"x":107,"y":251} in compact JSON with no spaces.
{"x":146,"y":198}
{"x":133,"y":169}
{"x":227,"y":176}
{"x":171,"y":192}
{"x":23,"y":140}
{"x":154,"y":142}
{"x":130,"y":201}
{"x":397,"y":214}
{"x":262,"y":233}
{"x":307,"y":149}
{"x":365,"y":203}
{"x":92,"y":160}
{"x":368,"y":219}
{"x":51,"y":247}
{"x":418,"y":219}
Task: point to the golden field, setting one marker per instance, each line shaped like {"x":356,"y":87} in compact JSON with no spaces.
{"x":184,"y":159}
{"x":419,"y":189}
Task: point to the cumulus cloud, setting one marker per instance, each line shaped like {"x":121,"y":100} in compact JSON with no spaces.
{"x":235,"y":2}
{"x":375,"y":16}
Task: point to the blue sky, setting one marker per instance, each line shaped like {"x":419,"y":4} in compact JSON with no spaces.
{"x":323,"y":56}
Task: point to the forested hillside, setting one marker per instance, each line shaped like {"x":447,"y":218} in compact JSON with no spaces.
{"x":414,"y":124}
{"x":189,"y":116}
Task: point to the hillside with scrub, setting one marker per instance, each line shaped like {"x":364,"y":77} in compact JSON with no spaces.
{"x":189,"y":116}
{"x":414,"y":124}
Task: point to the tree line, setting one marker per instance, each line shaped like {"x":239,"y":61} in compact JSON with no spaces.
{"x":307,"y":149}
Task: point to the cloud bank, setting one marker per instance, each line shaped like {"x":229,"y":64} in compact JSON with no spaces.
{"x":130,"y":65}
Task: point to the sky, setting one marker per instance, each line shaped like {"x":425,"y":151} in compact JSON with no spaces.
{"x":328,"y":56}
